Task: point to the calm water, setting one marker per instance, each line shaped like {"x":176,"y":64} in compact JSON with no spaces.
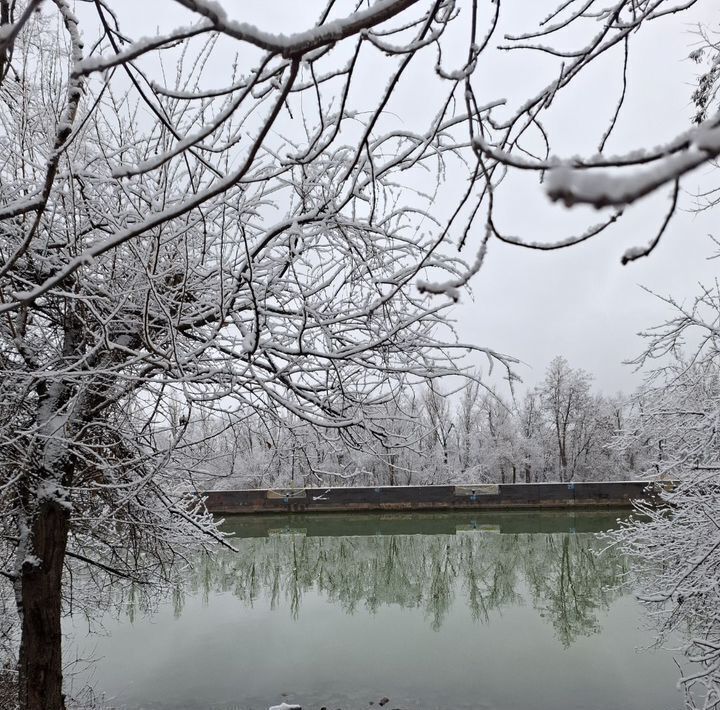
{"x":501,"y":612}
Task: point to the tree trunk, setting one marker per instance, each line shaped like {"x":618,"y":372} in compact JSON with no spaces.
{"x":391,"y":468}
{"x":40,"y":666}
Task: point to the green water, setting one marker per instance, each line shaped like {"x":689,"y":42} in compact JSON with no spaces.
{"x":496,"y":612}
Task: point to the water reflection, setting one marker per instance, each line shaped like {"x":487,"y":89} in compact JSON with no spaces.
{"x":567,"y":577}
{"x":433,"y":611}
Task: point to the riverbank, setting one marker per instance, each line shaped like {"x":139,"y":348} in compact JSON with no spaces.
{"x":502,"y":496}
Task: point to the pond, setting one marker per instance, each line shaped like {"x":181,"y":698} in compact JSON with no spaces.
{"x":469,"y":610}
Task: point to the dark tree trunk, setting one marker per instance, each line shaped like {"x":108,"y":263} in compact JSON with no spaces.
{"x":563,"y":464}
{"x":5,"y":20}
{"x":40,"y":677}
{"x":391,"y":469}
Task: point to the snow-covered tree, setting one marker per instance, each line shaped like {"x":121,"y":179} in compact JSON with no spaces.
{"x":500,"y":453}
{"x":570,"y":415}
{"x":674,"y":433}
{"x":468,"y":429}
{"x":531,"y":428}
{"x":216,"y":217}
{"x":439,"y":421}
{"x":150,"y":269}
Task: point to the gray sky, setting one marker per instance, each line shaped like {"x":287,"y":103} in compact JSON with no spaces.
{"x":579,"y":302}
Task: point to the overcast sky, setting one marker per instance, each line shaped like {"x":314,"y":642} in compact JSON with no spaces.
{"x":579,"y":302}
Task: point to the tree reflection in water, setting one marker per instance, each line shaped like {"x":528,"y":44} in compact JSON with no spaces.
{"x":567,"y":577}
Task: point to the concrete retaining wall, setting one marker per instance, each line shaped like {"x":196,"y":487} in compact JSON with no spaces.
{"x":488,"y":497}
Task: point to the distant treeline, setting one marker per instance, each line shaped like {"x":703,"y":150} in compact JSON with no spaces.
{"x":558,"y":431}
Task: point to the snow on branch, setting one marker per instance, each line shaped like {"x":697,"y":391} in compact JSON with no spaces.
{"x":574,"y":186}
{"x":602,"y":181}
{"x":8,"y":32}
{"x":301,"y":42}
